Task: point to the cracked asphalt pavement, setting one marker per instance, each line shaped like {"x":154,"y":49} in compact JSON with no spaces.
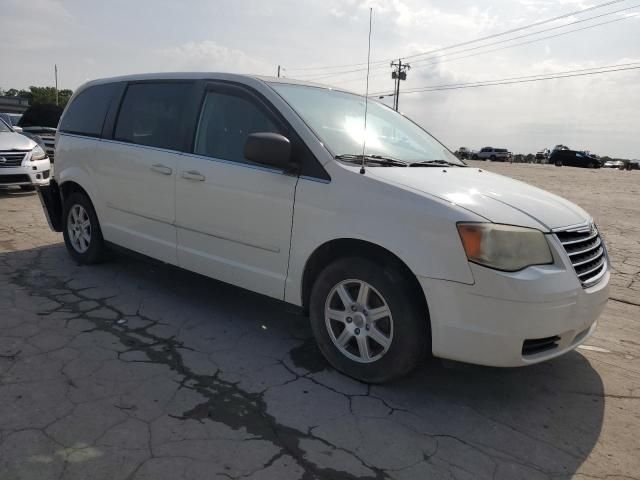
{"x":135,"y":370}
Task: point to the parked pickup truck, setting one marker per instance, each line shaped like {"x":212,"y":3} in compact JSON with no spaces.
{"x":493,"y":154}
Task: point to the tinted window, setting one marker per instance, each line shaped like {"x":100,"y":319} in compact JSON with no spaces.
{"x":225,"y":122}
{"x":152,"y":114}
{"x":85,"y":115}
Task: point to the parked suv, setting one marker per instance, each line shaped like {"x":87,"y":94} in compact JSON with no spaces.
{"x":23,"y":163}
{"x":562,"y":155}
{"x":262,"y":183}
{"x":493,"y":154}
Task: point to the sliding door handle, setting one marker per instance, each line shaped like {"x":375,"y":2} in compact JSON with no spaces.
{"x":193,"y":175}
{"x":163,"y":169}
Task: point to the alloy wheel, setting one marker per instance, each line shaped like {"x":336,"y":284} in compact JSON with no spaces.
{"x":359,"y":321}
{"x":79,"y":228}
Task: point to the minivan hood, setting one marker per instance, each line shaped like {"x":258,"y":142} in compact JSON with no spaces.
{"x":15,"y":141}
{"x":495,"y":197}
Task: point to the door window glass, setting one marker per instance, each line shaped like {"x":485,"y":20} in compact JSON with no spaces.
{"x":152,"y":114}
{"x":225,"y":123}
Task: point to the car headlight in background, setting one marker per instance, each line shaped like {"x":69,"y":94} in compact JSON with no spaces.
{"x":504,"y":247}
{"x":38,"y":153}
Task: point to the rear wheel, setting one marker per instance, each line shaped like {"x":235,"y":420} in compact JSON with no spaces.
{"x":368,"y":321}
{"x":82,"y":234}
{"x":493,"y":158}
{"x":558,"y":163}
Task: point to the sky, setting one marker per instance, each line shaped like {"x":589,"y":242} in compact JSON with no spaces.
{"x":601,"y":113}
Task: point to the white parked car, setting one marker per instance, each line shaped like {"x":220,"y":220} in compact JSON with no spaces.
{"x":493,"y":154}
{"x":614,"y":164}
{"x":261,"y":183}
{"x":23,"y":163}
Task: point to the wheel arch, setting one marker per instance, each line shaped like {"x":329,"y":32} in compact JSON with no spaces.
{"x":346,"y":247}
{"x":70,"y":187}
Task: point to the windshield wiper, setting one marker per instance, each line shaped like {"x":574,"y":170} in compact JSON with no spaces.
{"x":369,"y":159}
{"x":435,"y":163}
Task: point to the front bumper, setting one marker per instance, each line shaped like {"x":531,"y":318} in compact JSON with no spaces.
{"x":30,"y":173}
{"x":487,"y":323}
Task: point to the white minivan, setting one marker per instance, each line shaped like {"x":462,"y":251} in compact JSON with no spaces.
{"x":396,"y":254}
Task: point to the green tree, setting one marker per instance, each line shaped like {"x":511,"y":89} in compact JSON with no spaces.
{"x":41,"y":95}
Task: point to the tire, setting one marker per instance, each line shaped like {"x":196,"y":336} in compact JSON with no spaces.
{"x":474,"y":157}
{"x":79,"y":206}
{"x":492,"y":158}
{"x":558,"y":163}
{"x":591,"y":165}
{"x":406,"y":328}
{"x":28,"y":188}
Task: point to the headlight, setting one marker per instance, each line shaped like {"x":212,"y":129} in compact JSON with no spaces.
{"x":504,"y":247}
{"x":38,"y":153}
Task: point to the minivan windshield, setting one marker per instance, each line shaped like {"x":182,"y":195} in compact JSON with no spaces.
{"x":337,"y":118}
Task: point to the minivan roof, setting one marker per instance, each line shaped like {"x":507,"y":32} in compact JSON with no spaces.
{"x":203,"y":76}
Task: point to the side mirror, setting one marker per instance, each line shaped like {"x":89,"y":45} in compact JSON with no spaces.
{"x":17,"y":129}
{"x":271,"y":149}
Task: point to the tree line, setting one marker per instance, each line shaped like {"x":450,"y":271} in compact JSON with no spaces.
{"x":40,"y":95}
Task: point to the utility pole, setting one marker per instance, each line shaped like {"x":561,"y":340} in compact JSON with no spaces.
{"x":278,"y":71}
{"x":55,"y":69}
{"x":398,"y":74}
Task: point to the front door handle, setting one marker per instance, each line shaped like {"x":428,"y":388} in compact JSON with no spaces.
{"x":193,"y":175}
{"x":163,"y":169}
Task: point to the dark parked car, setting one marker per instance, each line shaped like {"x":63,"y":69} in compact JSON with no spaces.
{"x":574,"y":158}
{"x":463,"y":153}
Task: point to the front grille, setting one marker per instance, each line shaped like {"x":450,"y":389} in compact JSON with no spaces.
{"x":539,"y":345}
{"x":11,"y":159}
{"x":6,"y":179}
{"x":586,"y":252}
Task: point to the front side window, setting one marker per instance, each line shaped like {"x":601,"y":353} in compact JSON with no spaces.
{"x":152,"y":114}
{"x":86,"y":113}
{"x":225,"y":123}
{"x":337,"y":118}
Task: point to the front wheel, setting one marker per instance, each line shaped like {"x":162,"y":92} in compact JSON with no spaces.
{"x":81,"y":231}
{"x":368,"y":321}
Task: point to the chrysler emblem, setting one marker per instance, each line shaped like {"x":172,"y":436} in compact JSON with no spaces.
{"x":3,"y":160}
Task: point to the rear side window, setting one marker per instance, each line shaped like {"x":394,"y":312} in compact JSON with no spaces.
{"x":226,"y":122}
{"x":86,"y":114}
{"x":152,"y":114}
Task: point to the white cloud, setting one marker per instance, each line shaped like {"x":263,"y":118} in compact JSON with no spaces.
{"x":211,"y":56}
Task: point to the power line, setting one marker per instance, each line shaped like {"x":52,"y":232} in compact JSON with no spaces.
{"x":513,"y":80}
{"x":524,"y":27}
{"x":545,"y":30}
{"x":418,"y":64}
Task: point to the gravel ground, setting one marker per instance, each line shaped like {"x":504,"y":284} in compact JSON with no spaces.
{"x":135,"y":370}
